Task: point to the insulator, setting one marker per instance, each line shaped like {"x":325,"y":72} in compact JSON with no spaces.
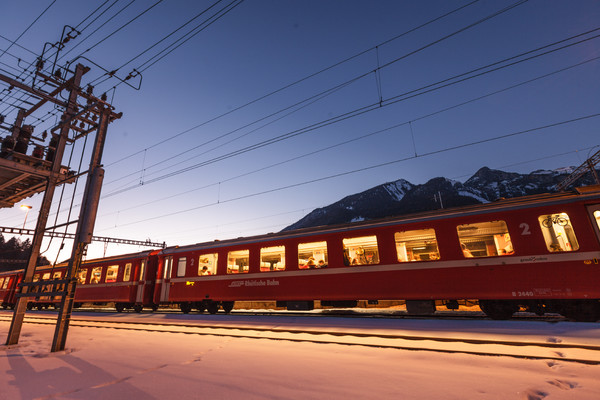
{"x":8,"y":143}
{"x":38,"y":151}
{"x":23,"y":139}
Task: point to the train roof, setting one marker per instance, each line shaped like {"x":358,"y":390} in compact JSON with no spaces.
{"x":579,"y":194}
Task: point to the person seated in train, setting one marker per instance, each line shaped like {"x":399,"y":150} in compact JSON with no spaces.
{"x":555,"y":247}
{"x":434,"y":256}
{"x":466,"y":252}
{"x":322,"y":264}
{"x":205,"y":271}
{"x":311,"y":263}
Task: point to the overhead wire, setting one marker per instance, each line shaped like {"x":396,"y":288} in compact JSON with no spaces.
{"x":314,"y":152}
{"x":375,"y":105}
{"x":287,"y":86}
{"x":367,"y":168}
{"x":362,"y":110}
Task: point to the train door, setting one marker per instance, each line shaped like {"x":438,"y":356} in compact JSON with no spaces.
{"x":594,"y":211}
{"x":139,"y":298}
{"x":166,"y":284}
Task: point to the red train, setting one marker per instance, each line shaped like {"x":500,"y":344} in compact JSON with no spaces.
{"x":538,"y":253}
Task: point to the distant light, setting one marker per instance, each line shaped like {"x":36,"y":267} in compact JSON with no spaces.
{"x":25,"y":207}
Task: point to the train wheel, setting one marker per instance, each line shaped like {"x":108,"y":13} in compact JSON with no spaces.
{"x":185,"y":307}
{"x":119,"y":307}
{"x":498,"y":309}
{"x":200,"y":306}
{"x":154,"y":307}
{"x":212,"y":307}
{"x":227,"y":306}
{"x":40,"y":307}
{"x":138,"y":308}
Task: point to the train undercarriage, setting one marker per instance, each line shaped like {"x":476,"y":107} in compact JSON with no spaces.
{"x":580,"y":310}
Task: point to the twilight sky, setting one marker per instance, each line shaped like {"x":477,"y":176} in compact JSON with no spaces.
{"x":278,"y":107}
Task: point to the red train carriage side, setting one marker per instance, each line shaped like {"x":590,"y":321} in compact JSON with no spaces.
{"x":126,"y":280}
{"x":122,"y":280}
{"x":538,"y":252}
{"x":8,"y":284}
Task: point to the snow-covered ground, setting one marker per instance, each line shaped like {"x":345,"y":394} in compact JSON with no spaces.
{"x":104,"y":363}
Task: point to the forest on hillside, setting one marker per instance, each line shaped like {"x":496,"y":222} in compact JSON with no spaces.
{"x":14,"y":254}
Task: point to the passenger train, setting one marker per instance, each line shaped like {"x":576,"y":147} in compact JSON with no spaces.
{"x":536,"y":253}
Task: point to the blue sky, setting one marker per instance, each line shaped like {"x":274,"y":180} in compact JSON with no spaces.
{"x":262,"y":46}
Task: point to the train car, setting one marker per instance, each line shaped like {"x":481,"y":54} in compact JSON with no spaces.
{"x":538,"y":253}
{"x":125,"y":280}
{"x":8,"y":285}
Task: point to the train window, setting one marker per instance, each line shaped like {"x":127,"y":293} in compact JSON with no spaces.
{"x":168,"y":266}
{"x":181,"y":264}
{"x":312,"y":255}
{"x":485,"y":239}
{"x":558,"y":232}
{"x":142,"y":270}
{"x":81,"y":275}
{"x":111,"y":274}
{"x":1,"y":282}
{"x":207,"y":264}
{"x":127,"y":273}
{"x":272,"y":258}
{"x":361,"y":250}
{"x":57,"y":275}
{"x":417,"y":245}
{"x":46,"y":276}
{"x":96,"y":273}
{"x":597,"y":216}
{"x":237,"y":261}
{"x":6,"y":281}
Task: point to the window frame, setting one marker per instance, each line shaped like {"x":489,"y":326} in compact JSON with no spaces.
{"x":502,"y":241}
{"x":358,"y":257}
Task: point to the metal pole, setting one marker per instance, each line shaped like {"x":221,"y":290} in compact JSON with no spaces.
{"x":21,"y":305}
{"x":85,"y":229}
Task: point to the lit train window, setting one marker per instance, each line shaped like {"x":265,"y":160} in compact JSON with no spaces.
{"x":417,"y":245}
{"x":207,"y":264}
{"x":57,"y":275}
{"x":168,"y":266}
{"x":46,"y":276}
{"x":361,"y":250}
{"x":312,"y":255}
{"x":127,"y":273}
{"x":558,"y":232}
{"x":142,"y":270}
{"x":272,"y":258}
{"x":6,"y":281}
{"x":111,"y":274}
{"x":597,"y":216}
{"x":237,"y":262}
{"x":1,"y":282}
{"x":96,"y":273}
{"x":485,"y":239}
{"x":81,"y":275}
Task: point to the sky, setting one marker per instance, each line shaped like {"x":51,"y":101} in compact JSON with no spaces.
{"x":279,"y":107}
{"x":100,"y":363}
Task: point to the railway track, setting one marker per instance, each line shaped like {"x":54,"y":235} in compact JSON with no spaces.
{"x":465,"y":343}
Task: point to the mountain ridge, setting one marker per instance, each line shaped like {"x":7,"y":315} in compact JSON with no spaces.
{"x":402,"y":197}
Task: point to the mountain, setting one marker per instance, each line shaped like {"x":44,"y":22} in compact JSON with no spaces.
{"x":402,"y":197}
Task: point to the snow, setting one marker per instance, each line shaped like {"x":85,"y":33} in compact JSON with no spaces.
{"x":397,"y":189}
{"x":102,"y":363}
{"x":473,"y":195}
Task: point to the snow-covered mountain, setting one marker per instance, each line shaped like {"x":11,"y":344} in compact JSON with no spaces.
{"x":402,"y":197}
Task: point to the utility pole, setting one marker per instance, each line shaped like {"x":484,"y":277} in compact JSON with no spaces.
{"x":21,"y":305}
